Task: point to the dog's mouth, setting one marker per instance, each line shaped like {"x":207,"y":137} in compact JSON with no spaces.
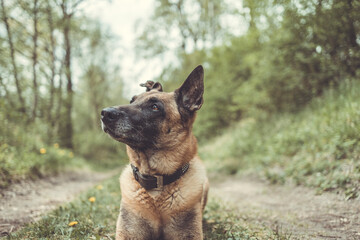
{"x":109,"y":131}
{"x":120,"y":138}
{"x":124,"y":136}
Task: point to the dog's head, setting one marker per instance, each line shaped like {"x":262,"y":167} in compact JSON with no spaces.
{"x":156,"y":119}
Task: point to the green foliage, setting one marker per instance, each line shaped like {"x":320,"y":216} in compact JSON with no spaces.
{"x":21,"y":145}
{"x":23,"y":154}
{"x":291,"y":53}
{"x":182,"y":26}
{"x":319,"y":146}
{"x":42,"y":102}
{"x":97,"y":148}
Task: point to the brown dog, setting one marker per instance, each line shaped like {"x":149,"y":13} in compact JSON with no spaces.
{"x":164,"y":189}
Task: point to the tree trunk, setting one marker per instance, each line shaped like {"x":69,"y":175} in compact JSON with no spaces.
{"x":353,"y":62}
{"x":50,"y":110}
{"x":66,"y":131}
{"x":57,"y":120}
{"x":68,"y":103}
{"x":7,"y":94}
{"x":12,"y":55}
{"x":351,"y":28}
{"x":35,"y":59}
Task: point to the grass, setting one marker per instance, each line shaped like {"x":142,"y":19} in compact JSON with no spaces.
{"x":95,"y":219}
{"x":17,"y":164}
{"x":222,"y":221}
{"x":318,"y":147}
{"x":26,"y":152}
{"x":93,"y":216}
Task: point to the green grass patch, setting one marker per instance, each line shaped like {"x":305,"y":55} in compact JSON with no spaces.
{"x":94,"y":220}
{"x":27,"y":152}
{"x":97,"y":219}
{"x":319,"y":146}
{"x":221,"y":221}
{"x":18,"y":164}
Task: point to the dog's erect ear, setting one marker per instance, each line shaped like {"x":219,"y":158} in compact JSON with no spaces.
{"x":190,"y":94}
{"x":150,"y":85}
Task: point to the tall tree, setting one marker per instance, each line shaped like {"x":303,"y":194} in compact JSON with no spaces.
{"x":35,"y":15}
{"x":10,"y":41}
{"x":52,"y":63}
{"x":101,"y":74}
{"x":68,"y":9}
{"x":55,"y":64}
{"x":190,"y":24}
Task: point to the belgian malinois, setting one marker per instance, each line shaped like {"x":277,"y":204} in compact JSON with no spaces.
{"x":164,"y":189}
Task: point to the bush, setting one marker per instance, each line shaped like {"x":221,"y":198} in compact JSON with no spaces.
{"x":96,"y":147}
{"x":319,"y":146}
{"x":25,"y":154}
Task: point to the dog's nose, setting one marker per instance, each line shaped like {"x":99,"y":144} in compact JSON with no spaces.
{"x":110,"y":114}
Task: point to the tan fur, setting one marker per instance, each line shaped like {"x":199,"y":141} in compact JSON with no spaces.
{"x":176,"y":211}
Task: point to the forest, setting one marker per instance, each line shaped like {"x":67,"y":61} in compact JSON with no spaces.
{"x":281,"y":86}
{"x":56,"y":71}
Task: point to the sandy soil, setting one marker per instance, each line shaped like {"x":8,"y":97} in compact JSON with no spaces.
{"x":297,"y":212}
{"x":26,"y":201}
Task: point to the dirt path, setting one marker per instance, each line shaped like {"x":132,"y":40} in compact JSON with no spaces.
{"x":26,"y":201}
{"x":295,"y":211}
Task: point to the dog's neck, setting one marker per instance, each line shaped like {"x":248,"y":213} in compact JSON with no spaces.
{"x":163,"y":161}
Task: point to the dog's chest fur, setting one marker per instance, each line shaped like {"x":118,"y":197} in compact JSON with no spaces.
{"x":177,"y":196}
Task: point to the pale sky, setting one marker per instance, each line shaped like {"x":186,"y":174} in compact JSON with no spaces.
{"x":121,"y":16}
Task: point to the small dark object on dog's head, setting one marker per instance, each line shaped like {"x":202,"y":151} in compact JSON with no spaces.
{"x":150,"y":85}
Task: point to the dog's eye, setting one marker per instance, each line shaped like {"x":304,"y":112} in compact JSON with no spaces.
{"x":155,"y":107}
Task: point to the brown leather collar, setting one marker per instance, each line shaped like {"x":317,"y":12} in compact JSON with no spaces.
{"x":157,"y":182}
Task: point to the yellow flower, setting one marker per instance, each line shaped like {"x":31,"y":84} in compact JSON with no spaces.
{"x":73,"y":223}
{"x":92,"y":199}
{"x":42,"y":150}
{"x":99,"y":187}
{"x":61,"y":152}
{"x":71,"y":154}
{"x":56,"y":145}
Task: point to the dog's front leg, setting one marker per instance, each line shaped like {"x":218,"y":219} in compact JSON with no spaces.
{"x":185,"y":225}
{"x":135,"y":227}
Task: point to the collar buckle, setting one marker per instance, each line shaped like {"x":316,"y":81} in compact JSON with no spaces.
{"x":159,"y":183}
{"x":135,"y":172}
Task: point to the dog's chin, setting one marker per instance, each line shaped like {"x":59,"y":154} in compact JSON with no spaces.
{"x":124,"y":138}
{"x":118,"y":137}
{"x":111,"y":133}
